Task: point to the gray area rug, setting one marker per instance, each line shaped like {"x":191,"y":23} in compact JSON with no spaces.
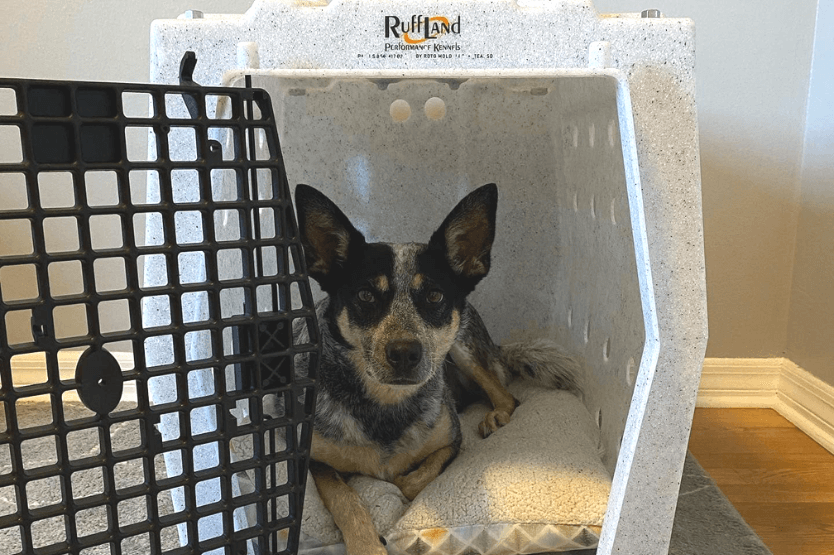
{"x":705,"y":522}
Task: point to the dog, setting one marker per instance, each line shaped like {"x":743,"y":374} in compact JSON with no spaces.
{"x":402,"y":352}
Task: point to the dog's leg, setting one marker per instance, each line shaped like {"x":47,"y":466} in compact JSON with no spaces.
{"x":503,"y":402}
{"x":350,"y":514}
{"x":415,"y":481}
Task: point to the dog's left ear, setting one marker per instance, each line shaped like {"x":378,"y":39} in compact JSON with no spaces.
{"x":466,"y":235}
{"x":326,"y":234}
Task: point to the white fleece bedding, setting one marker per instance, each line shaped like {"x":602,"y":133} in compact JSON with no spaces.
{"x":536,"y":485}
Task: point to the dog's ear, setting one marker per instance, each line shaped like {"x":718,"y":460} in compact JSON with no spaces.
{"x":326,"y":234}
{"x":466,"y":235}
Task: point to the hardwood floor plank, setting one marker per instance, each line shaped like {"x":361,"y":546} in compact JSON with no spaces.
{"x":782,"y":545}
{"x":811,"y":477}
{"x":779,"y":479}
{"x":743,"y":418}
{"x":754,"y":440}
{"x":774,"y":494}
{"x":806,"y":518}
{"x":753,"y":461}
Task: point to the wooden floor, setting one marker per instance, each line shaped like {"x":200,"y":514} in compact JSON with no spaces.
{"x":779,"y":479}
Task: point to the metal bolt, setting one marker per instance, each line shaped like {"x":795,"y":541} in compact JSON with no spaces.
{"x":651,"y":13}
{"x":193,"y":14}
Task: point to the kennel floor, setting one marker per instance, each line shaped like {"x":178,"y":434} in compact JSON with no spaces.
{"x":778,"y":478}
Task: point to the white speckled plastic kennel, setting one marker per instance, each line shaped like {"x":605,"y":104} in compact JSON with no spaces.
{"x":586,"y":122}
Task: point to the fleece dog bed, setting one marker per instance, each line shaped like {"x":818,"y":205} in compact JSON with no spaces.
{"x":535,"y":485}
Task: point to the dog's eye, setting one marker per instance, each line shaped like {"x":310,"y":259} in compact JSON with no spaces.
{"x":434,"y":296}
{"x":366,"y":296}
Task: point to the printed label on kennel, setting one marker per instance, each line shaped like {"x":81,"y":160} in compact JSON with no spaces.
{"x":584,"y":120}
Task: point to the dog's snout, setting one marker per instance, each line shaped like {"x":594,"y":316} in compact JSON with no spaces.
{"x":404,"y":355}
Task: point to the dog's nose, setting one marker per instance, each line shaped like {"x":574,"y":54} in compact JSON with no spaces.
{"x":404,"y":355}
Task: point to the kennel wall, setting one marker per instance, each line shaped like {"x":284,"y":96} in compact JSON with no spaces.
{"x":587,"y":122}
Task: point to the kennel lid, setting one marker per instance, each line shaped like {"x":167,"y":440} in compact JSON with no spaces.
{"x":473,"y":34}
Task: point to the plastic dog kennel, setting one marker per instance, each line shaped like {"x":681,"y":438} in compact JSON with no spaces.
{"x":587,"y":123}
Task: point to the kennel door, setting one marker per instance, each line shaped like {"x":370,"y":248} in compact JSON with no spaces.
{"x":570,"y":262}
{"x":147,"y":413}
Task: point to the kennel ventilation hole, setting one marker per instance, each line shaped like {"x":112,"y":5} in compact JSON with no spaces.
{"x":435,"y":108}
{"x":400,"y":110}
{"x":631,"y":372}
{"x":611,"y":133}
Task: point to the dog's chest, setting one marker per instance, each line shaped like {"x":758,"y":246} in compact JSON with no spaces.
{"x":349,"y":448}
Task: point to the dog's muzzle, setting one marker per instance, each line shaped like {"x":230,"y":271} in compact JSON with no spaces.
{"x":404,"y":356}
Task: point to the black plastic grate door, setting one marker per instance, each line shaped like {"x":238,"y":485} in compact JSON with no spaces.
{"x":150,"y":280}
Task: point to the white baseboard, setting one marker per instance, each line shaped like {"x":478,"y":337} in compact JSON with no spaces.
{"x":776,"y":383}
{"x":739,"y":382}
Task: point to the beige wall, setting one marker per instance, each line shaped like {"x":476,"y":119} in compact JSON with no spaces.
{"x":754,"y":59}
{"x":767,"y":158}
{"x":811,"y":317}
{"x":101,"y":40}
{"x":752,"y":65}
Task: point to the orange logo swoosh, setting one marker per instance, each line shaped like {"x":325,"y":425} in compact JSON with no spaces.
{"x":439,"y":18}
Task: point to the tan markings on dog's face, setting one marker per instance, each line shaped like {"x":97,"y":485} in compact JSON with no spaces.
{"x":443,"y":338}
{"x":404,"y":322}
{"x":358,"y":340}
{"x":371,"y":370}
{"x":352,"y":334}
{"x":401,"y":322}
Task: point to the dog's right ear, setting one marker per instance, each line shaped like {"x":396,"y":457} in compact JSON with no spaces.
{"x":326,"y":234}
{"x":466,"y":235}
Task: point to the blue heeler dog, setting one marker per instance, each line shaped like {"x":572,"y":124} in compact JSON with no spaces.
{"x":403,"y":351}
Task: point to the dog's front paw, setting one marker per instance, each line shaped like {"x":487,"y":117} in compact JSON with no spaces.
{"x":493,"y":420}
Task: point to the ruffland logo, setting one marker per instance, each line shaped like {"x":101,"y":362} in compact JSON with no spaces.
{"x":418,"y":30}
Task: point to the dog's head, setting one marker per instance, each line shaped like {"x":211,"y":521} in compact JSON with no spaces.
{"x":397,"y":306}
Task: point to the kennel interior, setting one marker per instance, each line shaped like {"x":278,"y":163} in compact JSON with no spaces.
{"x":585,"y":121}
